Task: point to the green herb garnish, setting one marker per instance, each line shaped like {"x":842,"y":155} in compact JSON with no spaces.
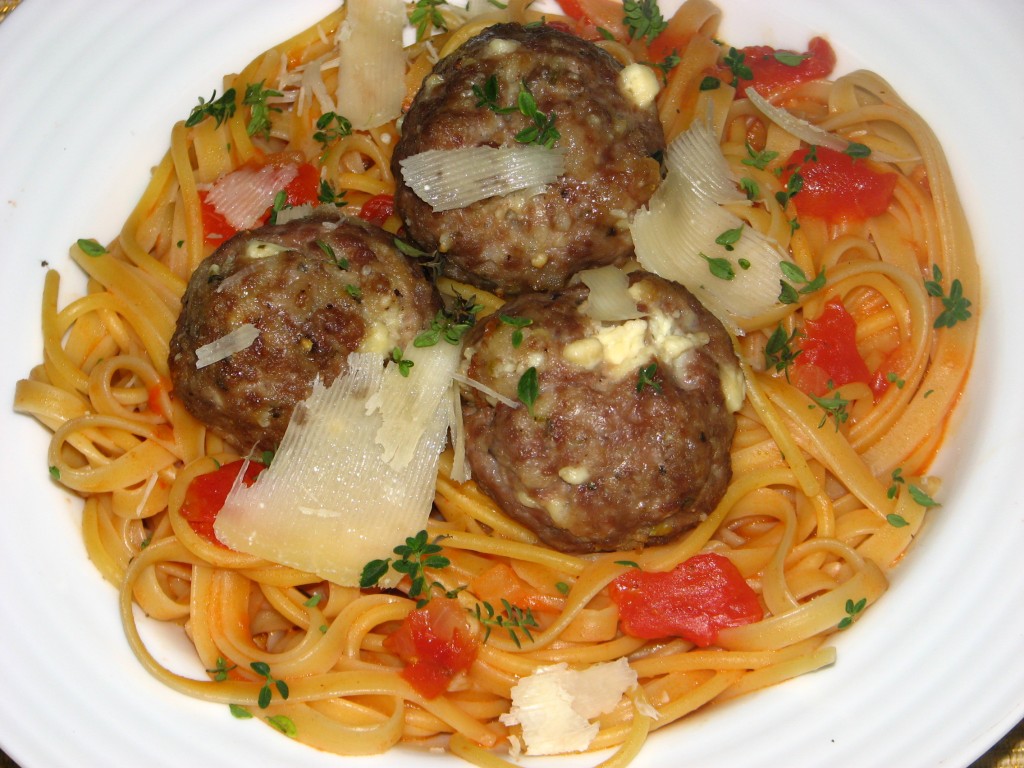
{"x":645,"y":378}
{"x":734,"y":60}
{"x":256,"y":98}
{"x":416,"y":555}
{"x":853,"y":610}
{"x":284,"y":724}
{"x":425,"y":15}
{"x":518,"y":323}
{"x":514,"y":618}
{"x":91,"y":248}
{"x":219,"y":109}
{"x":955,"y":304}
{"x":720,"y":267}
{"x":221,"y":670}
{"x":328,"y":196}
{"x":790,"y":59}
{"x":793,"y":273}
{"x":729,"y":238}
{"x":330,"y":127}
{"x":269,"y":684}
{"x":834,"y":406}
{"x":643,"y":19}
{"x":778,"y":353}
{"x":404,"y":366}
{"x":758,"y":159}
{"x":450,"y":324}
{"x":528,"y":389}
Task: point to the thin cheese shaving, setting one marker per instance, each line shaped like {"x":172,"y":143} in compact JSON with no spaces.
{"x":244,"y":195}
{"x":675,"y":236}
{"x":240,"y":338}
{"x":809,"y":132}
{"x":409,"y":404}
{"x":330,"y":502}
{"x":371,"y":67}
{"x":463,"y":379}
{"x":609,"y":299}
{"x":454,"y":178}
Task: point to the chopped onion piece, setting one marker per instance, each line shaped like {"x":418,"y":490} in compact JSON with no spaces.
{"x":454,"y":178}
{"x":463,"y":379}
{"x":808,"y":132}
{"x":330,"y":502}
{"x":675,"y":236}
{"x":609,"y":299}
{"x":371,"y":68}
{"x":243,"y":196}
{"x":241,"y":338}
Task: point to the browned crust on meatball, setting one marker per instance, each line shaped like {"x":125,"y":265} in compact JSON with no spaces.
{"x":312,"y":309}
{"x":657,"y":459}
{"x":521,"y":242}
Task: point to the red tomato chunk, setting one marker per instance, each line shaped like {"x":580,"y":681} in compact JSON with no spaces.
{"x":838,"y":187}
{"x":829,"y":352}
{"x":207,"y":493}
{"x":772,"y":75}
{"x":377,"y":209}
{"x":435,"y":643}
{"x":696,"y":600}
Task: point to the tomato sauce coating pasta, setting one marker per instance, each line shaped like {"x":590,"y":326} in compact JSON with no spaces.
{"x":828,"y":490}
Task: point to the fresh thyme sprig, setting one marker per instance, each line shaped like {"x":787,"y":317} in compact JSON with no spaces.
{"x":219,"y":109}
{"x":266,"y":692}
{"x":414,"y":557}
{"x":513,"y":620}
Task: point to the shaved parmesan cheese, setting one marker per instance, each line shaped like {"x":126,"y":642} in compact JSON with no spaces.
{"x":331,"y":502}
{"x":488,"y":391}
{"x":454,"y":178}
{"x":460,"y":467}
{"x":805,"y":131}
{"x":371,"y":67}
{"x":241,"y":338}
{"x":554,"y":705}
{"x":243,"y":196}
{"x":609,"y":299}
{"x":408,"y":405}
{"x":675,"y":235}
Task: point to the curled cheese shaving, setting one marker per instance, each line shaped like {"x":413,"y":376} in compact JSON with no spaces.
{"x":454,"y":178}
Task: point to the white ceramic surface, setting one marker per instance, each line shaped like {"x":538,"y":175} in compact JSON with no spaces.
{"x":931,"y":676}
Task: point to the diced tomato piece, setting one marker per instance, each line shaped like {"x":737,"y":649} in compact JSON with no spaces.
{"x":377,"y":209}
{"x":305,"y":187}
{"x":592,"y":15}
{"x":837,"y":187}
{"x":435,"y":643}
{"x":207,"y":493}
{"x":829,"y":352}
{"x":215,"y":227}
{"x":697,"y":599}
{"x":772,"y":77}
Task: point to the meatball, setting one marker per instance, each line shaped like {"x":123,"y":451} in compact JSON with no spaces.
{"x":628,"y":441}
{"x":316,"y":289}
{"x":528,"y":240}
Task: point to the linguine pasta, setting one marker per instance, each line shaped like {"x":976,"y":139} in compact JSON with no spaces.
{"x":819,"y":509}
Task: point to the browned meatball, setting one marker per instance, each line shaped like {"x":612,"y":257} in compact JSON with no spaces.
{"x":616,"y":454}
{"x":527,"y":241}
{"x":316,"y":289}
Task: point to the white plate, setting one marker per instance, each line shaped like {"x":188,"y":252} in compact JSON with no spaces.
{"x":931,"y":676}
